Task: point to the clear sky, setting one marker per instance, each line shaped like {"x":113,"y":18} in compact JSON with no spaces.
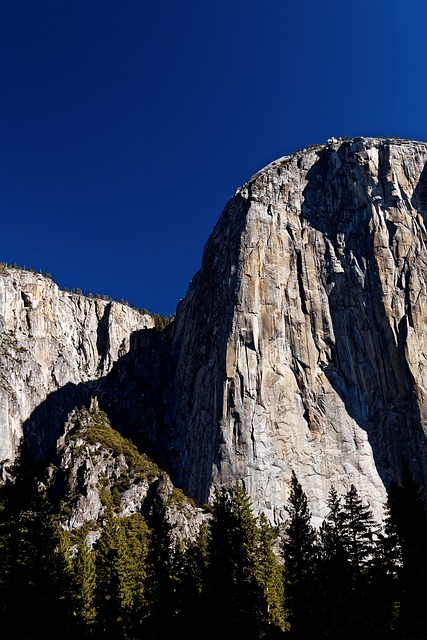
{"x":126,"y":125}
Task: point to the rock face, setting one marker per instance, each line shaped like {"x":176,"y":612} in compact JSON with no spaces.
{"x":301,"y":344}
{"x":95,"y":469}
{"x":50,"y":340}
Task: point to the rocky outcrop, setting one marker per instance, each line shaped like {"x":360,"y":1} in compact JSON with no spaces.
{"x":50,"y":340}
{"x":301,"y":344}
{"x":95,"y":469}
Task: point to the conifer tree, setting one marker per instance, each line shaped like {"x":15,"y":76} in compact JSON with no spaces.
{"x":382,"y":595}
{"x":409,"y":521}
{"x":239,"y":564}
{"x":115,"y":587}
{"x":161,"y":571}
{"x":63,"y":574}
{"x":269,"y":576}
{"x":27,"y":543}
{"x":348,"y":568}
{"x":358,"y":532}
{"x":300,"y":548}
{"x":334,"y":568}
{"x":194,"y":605}
{"x":230,"y":562}
{"x":84,"y":579}
{"x":197,"y":559}
{"x":136,"y":534}
{"x":330,"y":531}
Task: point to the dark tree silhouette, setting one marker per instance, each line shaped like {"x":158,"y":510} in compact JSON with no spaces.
{"x":408,"y":521}
{"x":300,"y":550}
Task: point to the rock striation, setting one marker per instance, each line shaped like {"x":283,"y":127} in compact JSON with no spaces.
{"x":50,"y":340}
{"x":96,"y":470}
{"x":301,"y":344}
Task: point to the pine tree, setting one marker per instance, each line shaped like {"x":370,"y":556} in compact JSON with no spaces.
{"x":382,"y":596}
{"x":358,"y":532}
{"x":243,"y":571}
{"x":116,"y":586}
{"x":330,"y":531}
{"x":408,"y":520}
{"x":63,"y":576}
{"x":194,"y":606}
{"x":228,"y":561}
{"x":334,"y":568}
{"x":349,"y":568}
{"x":197,"y":559}
{"x":27,"y":543}
{"x":162,"y":576}
{"x":300,"y":549}
{"x":84,"y":582}
{"x":136,"y":534}
{"x":269,"y":576}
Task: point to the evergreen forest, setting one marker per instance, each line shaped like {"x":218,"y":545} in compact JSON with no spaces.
{"x":240,"y":577}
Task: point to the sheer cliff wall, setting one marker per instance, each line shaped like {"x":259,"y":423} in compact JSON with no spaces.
{"x":301,"y":344}
{"x":308,"y":321}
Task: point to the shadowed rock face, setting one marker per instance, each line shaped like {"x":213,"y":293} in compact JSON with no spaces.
{"x":302,"y":341}
{"x":300,"y":345}
{"x":51,"y":341}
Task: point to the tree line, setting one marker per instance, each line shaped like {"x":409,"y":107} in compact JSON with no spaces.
{"x":351,"y":578}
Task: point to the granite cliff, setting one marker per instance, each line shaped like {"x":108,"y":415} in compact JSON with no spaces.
{"x":51,"y":340}
{"x":301,"y":343}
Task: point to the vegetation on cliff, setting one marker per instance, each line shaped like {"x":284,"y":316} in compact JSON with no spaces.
{"x":92,"y":426}
{"x":349,"y":579}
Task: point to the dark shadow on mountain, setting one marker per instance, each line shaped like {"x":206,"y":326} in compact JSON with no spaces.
{"x":419,"y":197}
{"x":129,"y":394}
{"x":150,"y":393}
{"x":368,"y":367}
{"x":200,"y":331}
{"x":46,"y":423}
{"x":102,"y":335}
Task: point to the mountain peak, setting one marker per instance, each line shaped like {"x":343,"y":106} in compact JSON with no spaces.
{"x":301,"y":344}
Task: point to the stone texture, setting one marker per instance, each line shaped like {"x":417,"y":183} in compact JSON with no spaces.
{"x":301,"y":344}
{"x":87,"y":472}
{"x":49,"y":340}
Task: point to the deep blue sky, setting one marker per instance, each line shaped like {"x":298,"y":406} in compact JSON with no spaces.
{"x":126,"y":125}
